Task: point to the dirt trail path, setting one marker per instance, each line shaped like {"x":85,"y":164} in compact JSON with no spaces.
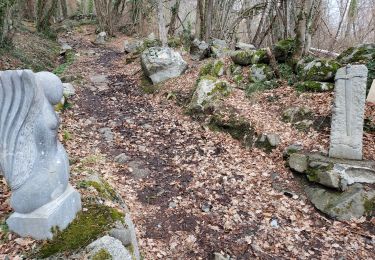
{"x":192,"y":192}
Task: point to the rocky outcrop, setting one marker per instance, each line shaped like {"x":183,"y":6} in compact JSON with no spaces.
{"x":162,"y":63}
{"x":260,"y":72}
{"x":219,"y":48}
{"x":319,"y":70}
{"x":284,"y":49}
{"x":133,"y":46}
{"x":245,"y":46}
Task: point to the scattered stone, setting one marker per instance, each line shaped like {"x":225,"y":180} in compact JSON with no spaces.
{"x":138,"y":169}
{"x":107,"y":134}
{"x":208,"y":92}
{"x":121,"y":233}
{"x":122,"y":158}
{"x":300,"y":117}
{"x":371,"y":94}
{"x":162,"y":63}
{"x":199,"y":50}
{"x":363,"y":53}
{"x":245,"y":46}
{"x":274,"y":223}
{"x":319,"y":70}
{"x":242,"y":57}
{"x":69,"y":90}
{"x":132,"y":46}
{"x":112,"y":245}
{"x":66,"y":47}
{"x":353,"y":203}
{"x":348,"y":113}
{"x":260,"y":57}
{"x":38,"y":170}
{"x":206,"y":207}
{"x":214,"y":68}
{"x":101,"y":38}
{"x":260,"y":72}
{"x":219,"y":48}
{"x":293,"y":148}
{"x":172,"y":205}
{"x":268,"y":141}
{"x":298,"y":162}
{"x":219,"y":256}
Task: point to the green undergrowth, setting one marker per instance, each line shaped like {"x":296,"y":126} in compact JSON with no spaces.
{"x":69,"y":59}
{"x":85,"y":228}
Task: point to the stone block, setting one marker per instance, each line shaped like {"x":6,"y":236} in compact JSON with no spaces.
{"x":57,"y":213}
{"x":348,"y":112}
{"x":371,"y":94}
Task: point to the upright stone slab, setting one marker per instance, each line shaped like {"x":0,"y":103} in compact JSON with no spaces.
{"x":32,"y":160}
{"x":348,"y":112}
{"x":371,"y":94}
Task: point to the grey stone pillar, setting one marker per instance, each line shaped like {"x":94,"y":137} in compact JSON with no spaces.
{"x":348,"y":112}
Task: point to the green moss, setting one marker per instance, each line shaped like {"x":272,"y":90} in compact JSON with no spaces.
{"x":287,"y":73}
{"x":104,"y":189}
{"x":206,"y":69}
{"x":238,"y":128}
{"x":174,"y":42}
{"x":60,"y":107}
{"x":284,"y":49}
{"x":218,"y":68}
{"x":147,"y":87}
{"x":260,"y":86}
{"x":369,"y":206}
{"x":86,"y":227}
{"x":319,"y":70}
{"x":360,"y":54}
{"x":260,"y":72}
{"x":312,"y":174}
{"x":102,"y":255}
{"x":260,"y":56}
{"x":242,"y":57}
{"x":69,"y":59}
{"x":314,"y":86}
{"x":66,"y":135}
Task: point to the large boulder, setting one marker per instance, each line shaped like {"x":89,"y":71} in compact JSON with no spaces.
{"x":284,"y":49}
{"x":242,"y":57}
{"x":319,"y":70}
{"x":199,"y":50}
{"x":362,"y":54}
{"x":260,"y":56}
{"x":209,"y":90}
{"x":162,"y":63}
{"x":219,"y":48}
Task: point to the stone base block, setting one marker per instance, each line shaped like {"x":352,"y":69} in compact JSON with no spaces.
{"x":57,"y":213}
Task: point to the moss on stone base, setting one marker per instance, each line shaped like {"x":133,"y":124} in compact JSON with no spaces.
{"x":102,"y":255}
{"x":86,"y":227}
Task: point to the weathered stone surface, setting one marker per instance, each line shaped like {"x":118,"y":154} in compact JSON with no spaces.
{"x":101,"y":38}
{"x":361,"y":53}
{"x":268,"y":141}
{"x":122,"y":158}
{"x":298,"y":162}
{"x":371,"y":94}
{"x":112,"y":245}
{"x":33,"y":161}
{"x":162,"y":63}
{"x":199,"y":50}
{"x":296,"y":114}
{"x":315,"y":86}
{"x":57,"y":213}
{"x":138,"y":169}
{"x":348,"y":112}
{"x":260,"y":72}
{"x":69,"y":90}
{"x":219,"y":48}
{"x":242,"y":57}
{"x":318,"y":70}
{"x":284,"y":49}
{"x":132,"y":46}
{"x":208,"y":91}
{"x":353,"y":203}
{"x":244,"y":46}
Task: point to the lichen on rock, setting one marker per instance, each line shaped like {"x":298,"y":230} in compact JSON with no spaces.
{"x":319,"y":70}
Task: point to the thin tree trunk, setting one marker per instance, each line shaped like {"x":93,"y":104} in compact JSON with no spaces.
{"x":208,"y":19}
{"x":174,"y":13}
{"x":340,"y":25}
{"x":64,"y":9}
{"x":261,"y":23}
{"x":161,"y":22}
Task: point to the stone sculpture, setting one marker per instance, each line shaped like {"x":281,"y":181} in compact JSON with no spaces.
{"x":348,"y":112}
{"x":32,"y":160}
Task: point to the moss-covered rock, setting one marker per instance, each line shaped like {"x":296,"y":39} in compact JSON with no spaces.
{"x":102,"y":255}
{"x":260,"y":86}
{"x":237,"y":74}
{"x":363,"y":53}
{"x":319,"y":70}
{"x":300,"y":117}
{"x":209,"y":90}
{"x":260,"y":73}
{"x":260,"y":56}
{"x":284,"y":49}
{"x":174,"y":42}
{"x":214,"y":68}
{"x":268,"y":142}
{"x":287,"y":73}
{"x":86,"y":227}
{"x":314,"y":86}
{"x":219,"y":48}
{"x":237,"y":127}
{"x":242,"y":57}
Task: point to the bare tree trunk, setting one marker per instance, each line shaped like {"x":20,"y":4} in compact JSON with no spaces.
{"x":64,"y":9}
{"x":261,"y":23}
{"x":340,"y":25}
{"x":161,"y":22}
{"x":44,"y":11}
{"x":174,"y":13}
{"x":208,"y":19}
{"x":8,"y":17}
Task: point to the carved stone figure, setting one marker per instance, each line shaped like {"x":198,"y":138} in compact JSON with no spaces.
{"x":348,"y":112}
{"x":33,"y":161}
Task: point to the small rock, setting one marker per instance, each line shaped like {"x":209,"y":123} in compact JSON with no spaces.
{"x":172,"y":205}
{"x":66,"y":47}
{"x":273,"y":139}
{"x":101,"y":38}
{"x":138,"y":169}
{"x":199,"y":50}
{"x":298,"y":162}
{"x":121,"y":234}
{"x":206,"y":208}
{"x":107,"y":134}
{"x":69,"y":90}
{"x":112,"y":245}
{"x":244,"y":46}
{"x":219,"y":256}
{"x":122,"y":158}
{"x":274,"y":223}
{"x":132,"y":46}
{"x":293,"y":148}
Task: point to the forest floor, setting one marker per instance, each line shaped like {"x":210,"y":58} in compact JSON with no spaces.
{"x":193,"y":191}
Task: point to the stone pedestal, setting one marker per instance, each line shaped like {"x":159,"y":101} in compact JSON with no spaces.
{"x":57,"y":213}
{"x":348,"y":112}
